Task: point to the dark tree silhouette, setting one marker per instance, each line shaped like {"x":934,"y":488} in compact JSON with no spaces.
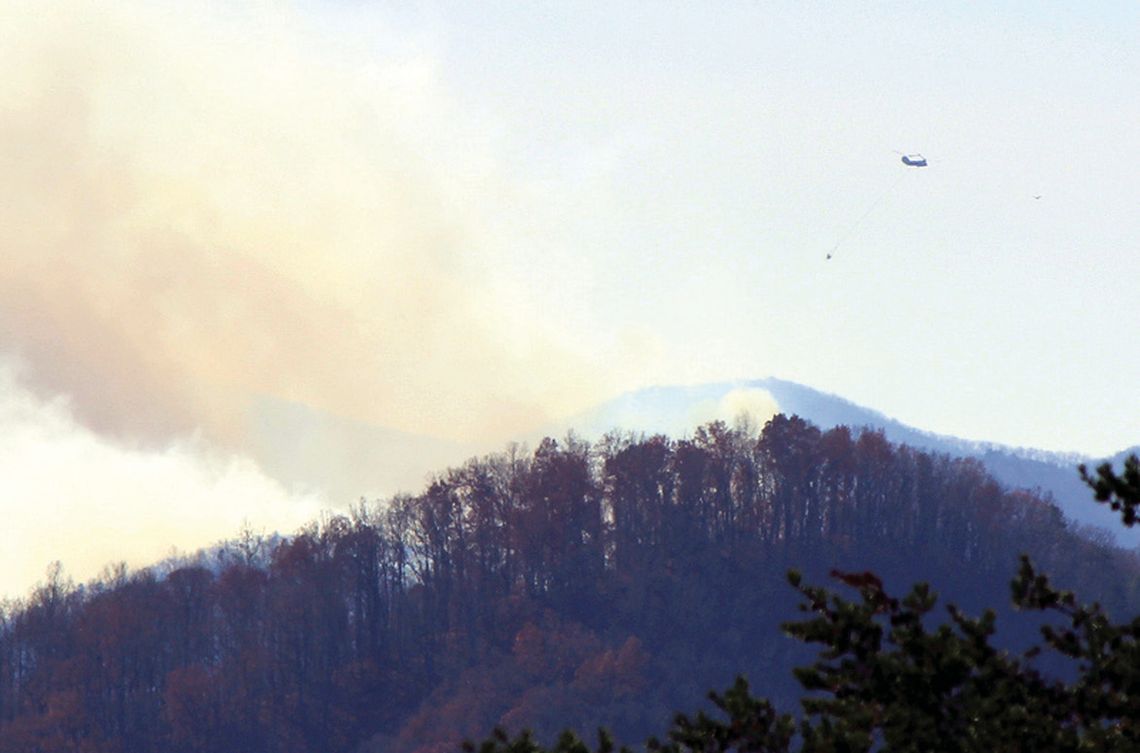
{"x":885,"y":679}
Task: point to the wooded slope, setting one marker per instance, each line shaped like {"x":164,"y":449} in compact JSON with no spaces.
{"x":575,"y":585}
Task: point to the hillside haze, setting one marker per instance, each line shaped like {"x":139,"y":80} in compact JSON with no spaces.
{"x":303,"y":460}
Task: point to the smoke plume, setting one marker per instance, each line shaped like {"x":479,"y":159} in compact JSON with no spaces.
{"x":201,"y":209}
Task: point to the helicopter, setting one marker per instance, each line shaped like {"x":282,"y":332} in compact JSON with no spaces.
{"x":910,"y":160}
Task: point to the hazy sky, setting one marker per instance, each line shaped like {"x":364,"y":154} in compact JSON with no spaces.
{"x":240,"y":243}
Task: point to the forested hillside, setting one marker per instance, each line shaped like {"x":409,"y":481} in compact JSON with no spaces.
{"x":576,"y":585}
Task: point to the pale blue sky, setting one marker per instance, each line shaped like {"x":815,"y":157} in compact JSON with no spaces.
{"x":690,"y":165}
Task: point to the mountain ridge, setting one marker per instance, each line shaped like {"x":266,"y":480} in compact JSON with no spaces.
{"x":676,"y":410}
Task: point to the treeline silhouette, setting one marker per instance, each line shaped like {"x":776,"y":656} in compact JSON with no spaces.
{"x":578,"y":585}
